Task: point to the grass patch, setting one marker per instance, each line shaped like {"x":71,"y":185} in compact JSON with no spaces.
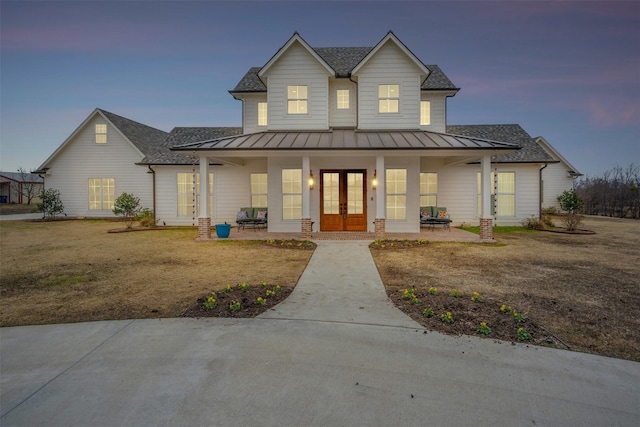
{"x":500,"y":229}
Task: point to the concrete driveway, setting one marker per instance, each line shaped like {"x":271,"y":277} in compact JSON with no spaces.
{"x":325,"y":357}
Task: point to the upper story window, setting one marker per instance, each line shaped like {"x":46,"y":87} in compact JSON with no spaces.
{"x":342,"y":97}
{"x":297,"y":99}
{"x":101,"y":134}
{"x":262,"y":113}
{"x":388,"y":98}
{"x":425,"y":113}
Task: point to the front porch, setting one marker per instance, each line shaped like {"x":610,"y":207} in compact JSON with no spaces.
{"x":437,"y":235}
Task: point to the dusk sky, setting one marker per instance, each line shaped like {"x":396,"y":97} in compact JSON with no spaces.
{"x":568,"y":71}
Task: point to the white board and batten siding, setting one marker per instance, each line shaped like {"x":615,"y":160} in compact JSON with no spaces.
{"x":231,"y":191}
{"x":389,"y":66}
{"x":297,"y":67}
{"x":81,"y":159}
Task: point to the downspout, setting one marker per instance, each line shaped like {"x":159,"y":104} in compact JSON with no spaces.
{"x":357,"y":102}
{"x":540,"y":191}
{"x":153,"y":191}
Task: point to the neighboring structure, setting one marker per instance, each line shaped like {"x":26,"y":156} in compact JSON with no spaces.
{"x":344,"y":138}
{"x":20,"y":187}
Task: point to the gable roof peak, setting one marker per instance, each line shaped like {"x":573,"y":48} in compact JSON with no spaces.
{"x":296,"y":37}
{"x":390,"y":36}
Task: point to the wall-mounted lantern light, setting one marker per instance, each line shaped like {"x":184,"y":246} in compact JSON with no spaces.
{"x":311,"y":180}
{"x":374,"y":180}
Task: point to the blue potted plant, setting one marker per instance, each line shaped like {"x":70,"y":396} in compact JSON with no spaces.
{"x":223,"y":230}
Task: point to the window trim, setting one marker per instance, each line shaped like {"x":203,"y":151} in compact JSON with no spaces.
{"x":298,"y":101}
{"x":429,"y":194}
{"x":101,"y":133}
{"x":388,"y":98}
{"x":342,"y":100}
{"x":101,"y":195}
{"x":265,"y":194}
{"x":389,"y":194}
{"x":495,"y":195}
{"x":263,"y":117}
{"x":287,"y":194}
{"x":426,"y":122}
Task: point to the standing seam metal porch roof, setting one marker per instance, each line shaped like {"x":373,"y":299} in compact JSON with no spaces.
{"x":347,"y":139}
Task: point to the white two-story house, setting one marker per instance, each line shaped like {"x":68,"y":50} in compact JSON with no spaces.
{"x":332,"y":139}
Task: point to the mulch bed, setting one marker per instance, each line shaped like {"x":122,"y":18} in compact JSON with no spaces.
{"x":247,"y":299}
{"x":467,"y":316}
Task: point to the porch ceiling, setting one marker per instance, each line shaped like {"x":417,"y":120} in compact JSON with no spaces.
{"x":346,"y":139}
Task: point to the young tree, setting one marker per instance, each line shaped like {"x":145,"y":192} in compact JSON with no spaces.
{"x":128,"y":206}
{"x":51,"y":205}
{"x":571,"y":203}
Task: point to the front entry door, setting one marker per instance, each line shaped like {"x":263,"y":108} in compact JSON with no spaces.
{"x":343,"y":200}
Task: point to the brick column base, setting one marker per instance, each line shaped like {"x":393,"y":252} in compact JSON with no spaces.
{"x":379,"y":228}
{"x":486,"y":230}
{"x":204,"y":229}
{"x":305,"y":228}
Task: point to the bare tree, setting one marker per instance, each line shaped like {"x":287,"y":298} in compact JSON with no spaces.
{"x":615,"y":193}
{"x":26,"y":187}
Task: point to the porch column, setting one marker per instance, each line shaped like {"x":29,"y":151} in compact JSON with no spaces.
{"x":204,"y":218}
{"x":486,"y":221}
{"x":380,"y":199}
{"x":305,"y":220}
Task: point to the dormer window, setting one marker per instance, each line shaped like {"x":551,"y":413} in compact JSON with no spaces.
{"x":388,"y":98}
{"x":297,"y":99}
{"x":101,"y":134}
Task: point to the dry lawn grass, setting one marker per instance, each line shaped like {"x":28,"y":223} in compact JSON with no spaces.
{"x":73,"y":271}
{"x":584,"y":289}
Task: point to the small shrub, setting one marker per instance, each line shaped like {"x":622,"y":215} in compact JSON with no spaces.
{"x":455,"y":294}
{"x":261,"y":301}
{"x":476,"y":297}
{"x":505,"y":308}
{"x":551,"y":210}
{"x":243,"y":286}
{"x":234,"y":306}
{"x":146,"y":218}
{"x":50,"y":204}
{"x":571,"y":203}
{"x":427,"y":312}
{"x":519,"y":317}
{"x":433,"y":291}
{"x":533,"y":223}
{"x":128,"y":206}
{"x":210,"y":302}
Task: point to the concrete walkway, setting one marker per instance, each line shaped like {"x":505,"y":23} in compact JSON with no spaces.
{"x":336,"y":353}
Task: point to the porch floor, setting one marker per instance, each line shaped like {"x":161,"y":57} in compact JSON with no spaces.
{"x":436,"y":235}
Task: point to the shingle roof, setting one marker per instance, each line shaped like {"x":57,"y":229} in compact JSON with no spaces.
{"x":343,"y":60}
{"x":144,"y":137}
{"x":347,"y":139}
{"x":531,"y":152}
{"x":162,"y":154}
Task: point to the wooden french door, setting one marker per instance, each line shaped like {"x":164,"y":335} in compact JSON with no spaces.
{"x":343,"y":200}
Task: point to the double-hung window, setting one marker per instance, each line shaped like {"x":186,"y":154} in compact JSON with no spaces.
{"x":396,"y":197}
{"x":503,"y":194}
{"x":101,"y":134}
{"x":189,"y":194}
{"x":101,"y":193}
{"x":297,"y":99}
{"x":262,"y":113}
{"x":388,"y":98}
{"x":291,"y":193}
{"x":428,"y":189}
{"x":259,"y":190}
